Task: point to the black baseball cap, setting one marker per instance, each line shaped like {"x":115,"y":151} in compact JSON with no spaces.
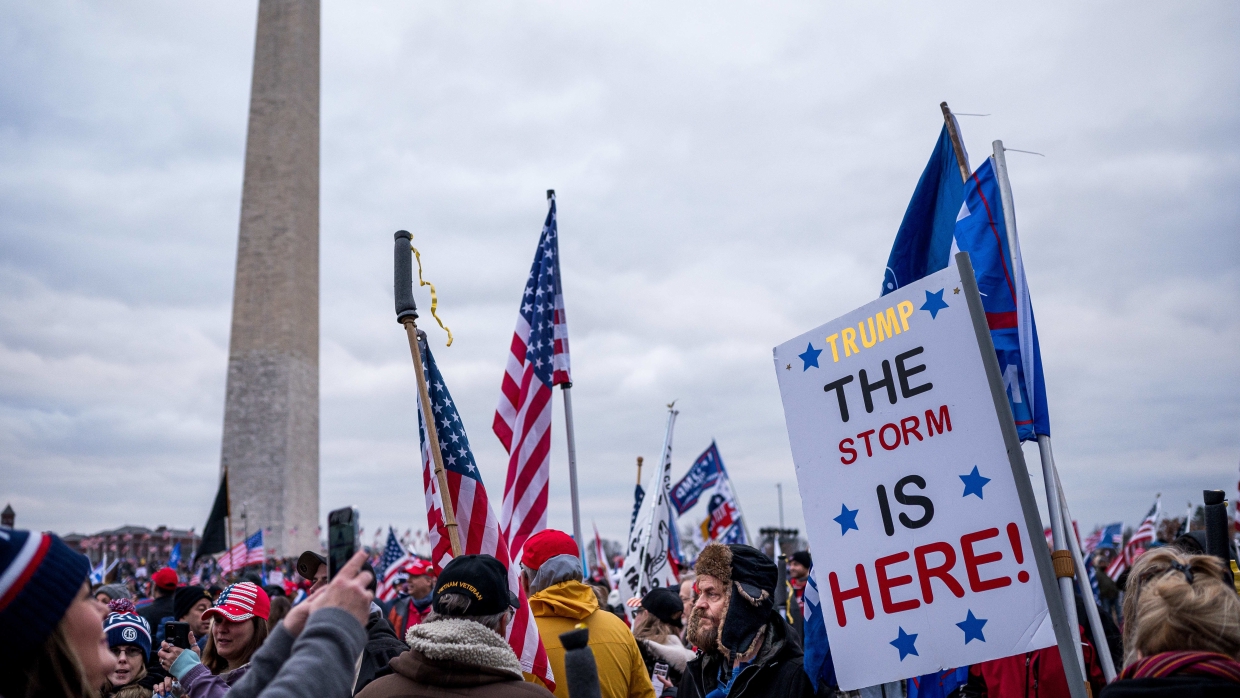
{"x":665,"y":605}
{"x":480,"y":578}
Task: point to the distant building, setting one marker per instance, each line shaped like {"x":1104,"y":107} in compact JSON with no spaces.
{"x":136,"y":542}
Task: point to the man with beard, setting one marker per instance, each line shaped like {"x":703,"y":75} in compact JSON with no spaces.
{"x":746,"y":649}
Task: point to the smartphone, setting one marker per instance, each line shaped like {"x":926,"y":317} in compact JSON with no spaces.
{"x":660,"y":669}
{"x":177,"y":634}
{"x":343,"y":538}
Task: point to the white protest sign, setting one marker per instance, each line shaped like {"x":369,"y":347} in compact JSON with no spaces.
{"x":921,"y":549}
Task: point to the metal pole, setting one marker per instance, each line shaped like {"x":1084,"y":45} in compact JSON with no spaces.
{"x":1059,"y":542}
{"x":1067,"y":636}
{"x":1101,"y":644}
{"x":566,"y":389}
{"x":1050,"y":477}
{"x":779,"y":492}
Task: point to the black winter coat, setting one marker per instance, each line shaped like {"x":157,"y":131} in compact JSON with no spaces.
{"x":776,"y":671}
{"x":382,"y":646}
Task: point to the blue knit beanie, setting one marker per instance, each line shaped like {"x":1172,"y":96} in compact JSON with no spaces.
{"x":39,"y":577}
{"x":128,"y":628}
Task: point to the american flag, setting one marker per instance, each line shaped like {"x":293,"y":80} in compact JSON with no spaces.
{"x":537,"y":362}
{"x":600,"y":559}
{"x":1145,"y":532}
{"x":476,"y":523}
{"x":393,"y":561}
{"x":247,"y":552}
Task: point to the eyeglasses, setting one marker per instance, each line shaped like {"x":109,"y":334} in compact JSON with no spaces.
{"x":128,"y":650}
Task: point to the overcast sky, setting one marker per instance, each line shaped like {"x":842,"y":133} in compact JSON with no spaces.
{"x":729,"y":175}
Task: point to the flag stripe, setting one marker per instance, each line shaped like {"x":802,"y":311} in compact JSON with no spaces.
{"x":538,"y":360}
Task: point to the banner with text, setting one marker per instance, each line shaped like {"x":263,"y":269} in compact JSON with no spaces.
{"x":921,"y":550}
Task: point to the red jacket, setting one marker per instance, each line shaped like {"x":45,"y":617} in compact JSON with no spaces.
{"x":405,"y":615}
{"x":1037,"y":674}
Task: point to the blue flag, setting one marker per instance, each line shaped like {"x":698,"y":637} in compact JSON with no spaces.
{"x":939,"y":684}
{"x":923,"y":243}
{"x":817,"y":661}
{"x":980,"y":231}
{"x":704,"y":473}
{"x":174,"y":558}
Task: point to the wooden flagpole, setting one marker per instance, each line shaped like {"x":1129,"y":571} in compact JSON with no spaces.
{"x":407,"y":315}
{"x":957,"y":145}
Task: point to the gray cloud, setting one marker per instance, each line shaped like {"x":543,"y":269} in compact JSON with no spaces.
{"x":728,"y":176}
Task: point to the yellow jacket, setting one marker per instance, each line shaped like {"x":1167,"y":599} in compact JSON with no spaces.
{"x":621,"y":671}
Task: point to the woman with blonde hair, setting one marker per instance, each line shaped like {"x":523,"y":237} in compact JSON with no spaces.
{"x":51,"y":627}
{"x":1182,"y":630}
{"x":656,"y":626}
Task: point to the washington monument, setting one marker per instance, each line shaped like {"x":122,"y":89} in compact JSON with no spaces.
{"x":271,"y":412}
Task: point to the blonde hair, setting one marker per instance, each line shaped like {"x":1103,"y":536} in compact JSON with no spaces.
{"x":55,"y":671}
{"x":649,"y":627}
{"x":1178,"y":602}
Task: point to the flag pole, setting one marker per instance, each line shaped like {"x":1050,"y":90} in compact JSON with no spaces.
{"x":957,"y":145}
{"x":566,"y":391}
{"x":1055,"y":500}
{"x":407,"y":315}
{"x":1087,"y":591}
{"x":643,"y":580}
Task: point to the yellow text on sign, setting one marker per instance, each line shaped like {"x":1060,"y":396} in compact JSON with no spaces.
{"x":884,"y":324}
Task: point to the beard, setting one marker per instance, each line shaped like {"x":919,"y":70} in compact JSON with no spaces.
{"x":703,"y":633}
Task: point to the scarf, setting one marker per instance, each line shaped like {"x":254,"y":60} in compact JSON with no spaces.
{"x":1166,"y":664}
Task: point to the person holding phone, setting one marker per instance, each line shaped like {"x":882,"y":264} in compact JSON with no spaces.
{"x":189,"y":605}
{"x":238,"y":628}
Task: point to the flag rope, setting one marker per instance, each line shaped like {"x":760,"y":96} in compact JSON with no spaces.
{"x":434,"y":296}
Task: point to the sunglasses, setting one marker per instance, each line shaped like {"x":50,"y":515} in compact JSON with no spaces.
{"x":127,"y":650}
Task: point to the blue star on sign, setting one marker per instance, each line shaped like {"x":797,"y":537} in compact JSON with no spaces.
{"x":972,"y":627}
{"x":973,"y":483}
{"x":906,"y":644}
{"x":810,"y":357}
{"x":847,"y":519}
{"x":934,"y":303}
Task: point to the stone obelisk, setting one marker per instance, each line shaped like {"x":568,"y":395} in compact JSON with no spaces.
{"x":271,"y":412}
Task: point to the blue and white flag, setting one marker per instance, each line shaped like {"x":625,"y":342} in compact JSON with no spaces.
{"x":924,"y":240}
{"x":703,"y":474}
{"x":817,"y":661}
{"x":174,"y":558}
{"x":982,"y":232}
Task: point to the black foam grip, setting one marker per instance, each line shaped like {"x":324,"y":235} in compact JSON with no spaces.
{"x":580,"y":670}
{"x":403,"y":278}
{"x":1216,"y":525}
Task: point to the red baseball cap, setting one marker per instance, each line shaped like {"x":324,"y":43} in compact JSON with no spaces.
{"x":241,"y":601}
{"x":544,"y":545}
{"x":165,"y":578}
{"x":419,"y":567}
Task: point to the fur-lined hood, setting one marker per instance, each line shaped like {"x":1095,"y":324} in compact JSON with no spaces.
{"x":463,"y":642}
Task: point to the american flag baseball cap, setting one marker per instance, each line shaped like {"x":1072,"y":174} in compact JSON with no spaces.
{"x":241,"y":601}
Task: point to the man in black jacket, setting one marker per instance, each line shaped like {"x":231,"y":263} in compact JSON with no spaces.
{"x":744,"y":646}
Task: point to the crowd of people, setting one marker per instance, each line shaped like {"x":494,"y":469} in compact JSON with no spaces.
{"x":733,"y":628}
